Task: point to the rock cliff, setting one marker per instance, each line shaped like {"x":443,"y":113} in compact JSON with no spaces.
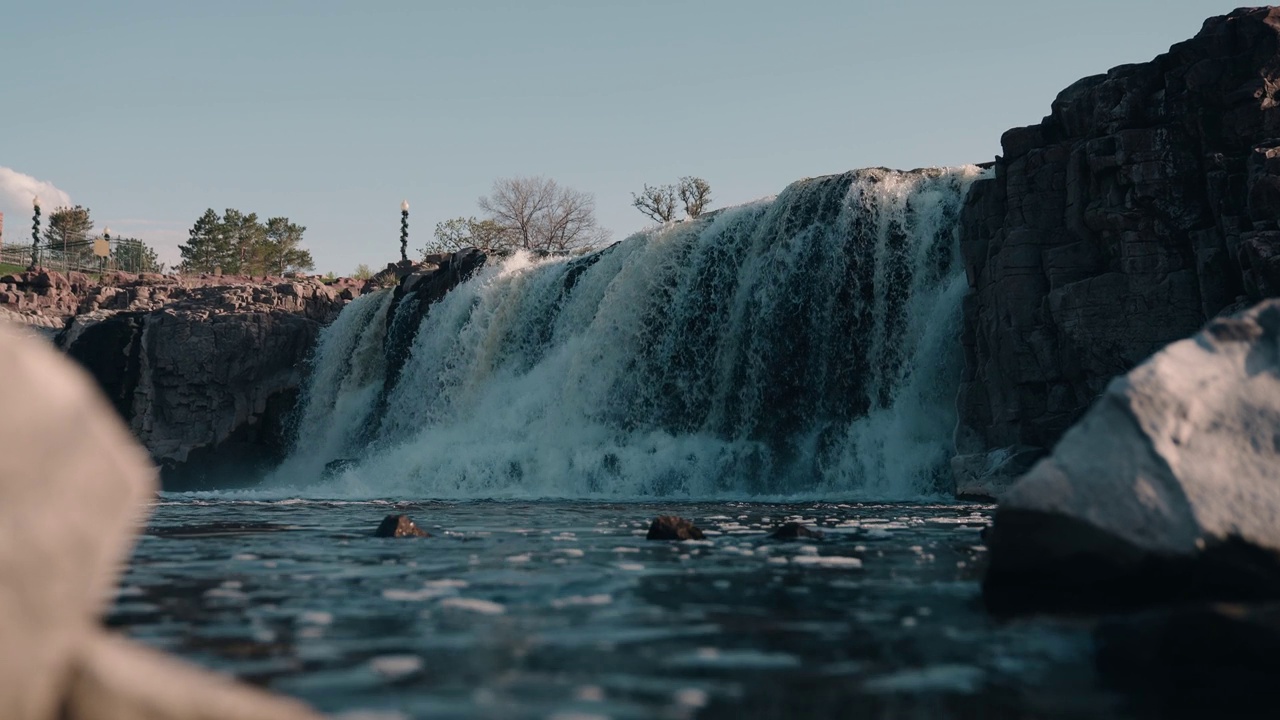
{"x":204,"y":371}
{"x":1145,"y":204}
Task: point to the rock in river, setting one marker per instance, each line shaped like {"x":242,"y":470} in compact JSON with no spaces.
{"x":73,"y":492}
{"x":672,"y":527}
{"x":399,"y":526}
{"x":795,"y":531}
{"x":1168,"y":488}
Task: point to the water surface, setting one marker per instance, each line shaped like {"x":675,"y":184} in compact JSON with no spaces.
{"x":564,"y":610}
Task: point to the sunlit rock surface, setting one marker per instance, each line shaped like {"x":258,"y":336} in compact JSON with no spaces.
{"x":71,"y":497}
{"x":1168,"y":488}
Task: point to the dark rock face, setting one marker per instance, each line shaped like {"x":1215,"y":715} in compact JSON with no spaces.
{"x":671,"y":527}
{"x":399,"y":526}
{"x":206,"y":375}
{"x":1143,"y":205}
{"x":421,"y":285}
{"x":795,"y":531}
{"x":1195,"y":661}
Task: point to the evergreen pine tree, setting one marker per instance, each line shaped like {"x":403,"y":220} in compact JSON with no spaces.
{"x":208,"y":246}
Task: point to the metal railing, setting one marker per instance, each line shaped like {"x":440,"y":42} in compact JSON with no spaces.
{"x":124,"y":255}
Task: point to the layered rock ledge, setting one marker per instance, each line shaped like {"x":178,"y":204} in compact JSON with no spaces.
{"x":1145,"y":204}
{"x":204,"y":370}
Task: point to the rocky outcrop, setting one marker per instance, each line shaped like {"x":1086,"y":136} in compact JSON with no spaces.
{"x":1145,"y":204}
{"x":1169,"y":488}
{"x":673,"y":527}
{"x":419,"y":286}
{"x":205,"y":372}
{"x":399,"y":526}
{"x":70,"y":505}
{"x":42,"y":292}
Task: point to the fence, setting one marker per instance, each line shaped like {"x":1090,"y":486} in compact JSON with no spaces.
{"x":125,"y":255}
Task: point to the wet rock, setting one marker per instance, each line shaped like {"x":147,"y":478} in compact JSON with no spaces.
{"x":399,"y":526}
{"x":339,"y":466}
{"x":420,"y":286}
{"x":794,"y":531}
{"x":672,"y":527}
{"x":1122,"y":222}
{"x":1168,"y":488}
{"x":986,"y":476}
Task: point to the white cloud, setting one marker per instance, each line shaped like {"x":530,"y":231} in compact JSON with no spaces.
{"x":16,"y":191}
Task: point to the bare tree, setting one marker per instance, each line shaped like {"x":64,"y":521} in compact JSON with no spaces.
{"x":695,"y":193}
{"x":658,"y":203}
{"x":537,"y":213}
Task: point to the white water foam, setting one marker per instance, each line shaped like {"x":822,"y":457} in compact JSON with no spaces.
{"x":801,"y":346}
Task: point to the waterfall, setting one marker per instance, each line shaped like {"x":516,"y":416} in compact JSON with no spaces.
{"x":805,"y":345}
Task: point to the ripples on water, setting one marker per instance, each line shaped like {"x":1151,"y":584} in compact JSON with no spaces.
{"x":564,"y":610}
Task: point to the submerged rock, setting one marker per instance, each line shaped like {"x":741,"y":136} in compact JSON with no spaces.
{"x":795,"y":531}
{"x":339,"y":466}
{"x":672,"y":527}
{"x":1168,"y":488}
{"x":399,"y":526}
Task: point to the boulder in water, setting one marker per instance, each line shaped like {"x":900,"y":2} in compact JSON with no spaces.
{"x":1169,"y":488}
{"x":399,"y":526}
{"x":794,"y":531}
{"x":673,"y":527}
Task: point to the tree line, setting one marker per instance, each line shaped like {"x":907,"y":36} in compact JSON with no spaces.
{"x":236,"y":243}
{"x":540,"y":215}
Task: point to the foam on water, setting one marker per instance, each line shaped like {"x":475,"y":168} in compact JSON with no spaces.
{"x":805,"y":345}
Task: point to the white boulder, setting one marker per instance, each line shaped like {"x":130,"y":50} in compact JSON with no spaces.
{"x":73,"y":491}
{"x":1169,"y":487}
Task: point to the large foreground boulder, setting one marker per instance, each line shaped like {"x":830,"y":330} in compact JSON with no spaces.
{"x":72,"y":494}
{"x":1169,"y":488}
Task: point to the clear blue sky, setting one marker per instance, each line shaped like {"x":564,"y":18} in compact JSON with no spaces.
{"x":330,"y":113}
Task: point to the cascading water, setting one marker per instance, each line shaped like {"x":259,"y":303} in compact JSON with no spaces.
{"x":801,"y":346}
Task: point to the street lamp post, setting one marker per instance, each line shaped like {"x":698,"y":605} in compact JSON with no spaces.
{"x":35,"y":231}
{"x":404,"y":231}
